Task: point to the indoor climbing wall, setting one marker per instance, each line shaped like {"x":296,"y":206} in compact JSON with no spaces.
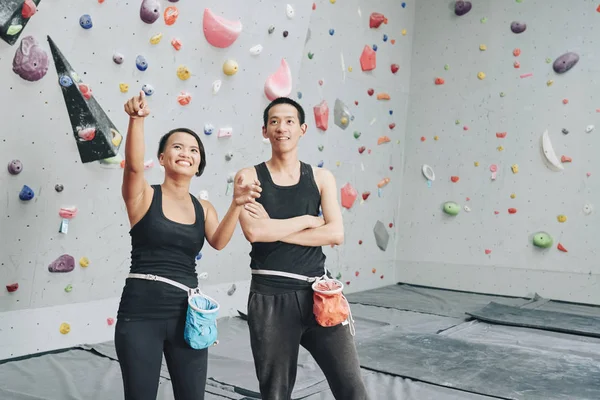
{"x":498,"y":193}
{"x":69,"y":68}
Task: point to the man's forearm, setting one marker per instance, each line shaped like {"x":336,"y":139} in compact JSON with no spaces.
{"x":325,"y":235}
{"x":272,"y":230}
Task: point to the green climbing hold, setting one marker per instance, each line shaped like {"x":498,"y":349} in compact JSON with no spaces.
{"x":502,"y":94}
{"x":356,"y":134}
{"x":542,"y":239}
{"x":14,"y":29}
{"x":68,"y":288}
{"x":548,"y":60}
{"x":519,"y":1}
{"x":338,"y":276}
{"x":446,"y":67}
{"x":451,"y":208}
{"x":483,"y":20}
{"x":321,"y":147}
{"x":311,"y":55}
{"x":457,"y":122}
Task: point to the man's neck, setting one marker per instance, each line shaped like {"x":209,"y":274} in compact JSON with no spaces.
{"x":286,"y":163}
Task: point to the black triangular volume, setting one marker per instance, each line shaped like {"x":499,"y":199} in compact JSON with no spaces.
{"x":85,"y":113}
{"x":11,"y":15}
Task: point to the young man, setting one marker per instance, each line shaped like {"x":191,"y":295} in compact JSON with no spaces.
{"x":286,"y":233}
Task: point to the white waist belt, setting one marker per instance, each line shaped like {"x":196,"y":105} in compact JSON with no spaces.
{"x":284,"y":274}
{"x":151,"y":277}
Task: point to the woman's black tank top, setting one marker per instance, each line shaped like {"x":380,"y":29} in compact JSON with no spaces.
{"x":284,"y":202}
{"x":165,"y":248}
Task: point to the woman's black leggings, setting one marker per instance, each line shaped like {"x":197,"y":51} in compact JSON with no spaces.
{"x":140,"y":345}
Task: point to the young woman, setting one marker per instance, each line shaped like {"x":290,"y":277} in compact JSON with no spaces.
{"x":168,"y":229}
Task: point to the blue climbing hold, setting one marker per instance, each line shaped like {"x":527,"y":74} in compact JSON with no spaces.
{"x":385,"y":37}
{"x":65,"y":81}
{"x":299,"y":95}
{"x":199,"y":256}
{"x":148,"y":89}
{"x":320,"y":164}
{"x":26,"y":193}
{"x":391,"y":112}
{"x":209,"y":129}
{"x":403,"y":5}
{"x":374,"y":47}
{"x":85,"y":21}
{"x":331,"y":31}
{"x":141,"y":63}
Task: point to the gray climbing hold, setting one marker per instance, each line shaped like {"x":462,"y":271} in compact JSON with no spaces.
{"x":231,"y":290}
{"x":341,"y":114}
{"x":565,"y":62}
{"x":64,"y":263}
{"x":228,"y":156}
{"x":150,"y":11}
{"x":382,"y":237}
{"x":518,"y":27}
{"x":15,"y":167}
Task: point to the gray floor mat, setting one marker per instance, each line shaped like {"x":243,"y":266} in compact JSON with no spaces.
{"x":504,"y":372}
{"x":539,"y":319}
{"x":428,"y":300}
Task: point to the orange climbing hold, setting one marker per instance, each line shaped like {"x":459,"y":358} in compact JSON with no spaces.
{"x":454,"y":179}
{"x":376,"y":19}
{"x":170,"y":15}
{"x":383,"y":182}
{"x":517,"y":52}
{"x":383,"y":139}
{"x":383,"y":96}
{"x":439,"y":81}
{"x":566,"y":159}
{"x":348,"y":195}
{"x":368,"y":59}
{"x":562,"y":248}
{"x":176,"y":43}
{"x":512,"y":210}
{"x":501,"y":135}
{"x":373,"y":270}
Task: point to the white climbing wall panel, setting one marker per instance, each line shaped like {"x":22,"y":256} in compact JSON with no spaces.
{"x":37,"y":131}
{"x":490,"y":249}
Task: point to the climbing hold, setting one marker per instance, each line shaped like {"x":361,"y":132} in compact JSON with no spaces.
{"x":209,"y":129}
{"x":231,"y":290}
{"x":481,"y":75}
{"x":285,"y":34}
{"x":141,"y":63}
{"x":454,"y":179}
{"x":385,"y":37}
{"x":501,"y":135}
{"x":65,"y":81}
{"x":68,"y":288}
{"x":279,"y":83}
{"x":376,"y":19}
{"x":365,"y":195}
{"x":462,"y":7}
{"x":111,"y":321}
{"x":85,"y":21}
{"x":512,"y":210}
{"x":58,"y":187}
{"x":500,"y":148}
{"x":148,"y":89}
{"x":216,"y":86}
{"x":228,"y":156}
{"x":370,"y":92}
{"x":515,"y":168}
{"x":482,"y":47}
{"x":565,"y":131}
{"x":589,"y":128}
{"x":225,"y":132}
{"x":341,"y":114}
{"x":565,"y":159}
{"x":118,"y":58}
{"x":383,"y":96}
{"x":150,"y":11}
{"x":348,"y":195}
{"x":395,"y":68}
{"x":439,"y":81}
{"x":565,"y":62}
{"x":230,"y":67}
{"x":587,"y":209}
{"x":383,"y":182}
{"x":84,"y":262}
{"x":310,"y":55}
{"x":361,"y":149}
{"x":271,"y":29}
{"x":86,"y":133}
{"x":518,"y":27}
{"x":219,"y":31}
{"x":382,"y":236}
{"x":256,"y":50}
{"x":552,"y":160}
{"x":289,"y":11}
{"x":374,"y":47}
{"x":321,"y":112}
{"x":368,"y":59}
{"x":183,"y":72}
{"x":64,"y":328}
{"x":26,"y":193}
{"x":428,"y":172}
{"x":549,"y":82}
{"x":29,"y":9}
{"x":502,"y":94}
{"x":13,"y":287}
{"x":542,"y":239}
{"x":561,"y":248}
{"x":488,"y":251}
{"x":67,"y":212}
{"x":123,"y":87}
{"x":170,"y":15}
{"x":561,"y":218}
{"x":392,"y":125}
{"x":184,"y":98}
{"x":64,"y":263}
{"x":30,"y":61}
{"x":517,"y":52}
{"x":321,"y":147}
{"x":15,"y":167}
{"x":451,"y":208}
{"x":356,"y":134}
{"x":517,"y":64}
{"x":156,"y":38}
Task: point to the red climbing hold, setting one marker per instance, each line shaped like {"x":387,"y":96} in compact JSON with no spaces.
{"x":395,"y":68}
{"x":322,"y":115}
{"x":454,"y":179}
{"x":390,"y":224}
{"x":110,"y":321}
{"x":314,"y":6}
{"x":370,"y":92}
{"x":361,"y":149}
{"x":501,"y":135}
{"x":368,"y":59}
{"x":562,"y":248}
{"x":366,"y":195}
{"x":12,"y":287}
{"x":488,"y":251}
{"x":512,"y":210}
{"x":356,"y":273}
{"x":566,"y":159}
{"x":29,"y":8}
{"x":360,"y":242}
{"x":376,"y":19}
{"x":439,"y":81}
{"x":348,"y":195}
{"x":392,"y":125}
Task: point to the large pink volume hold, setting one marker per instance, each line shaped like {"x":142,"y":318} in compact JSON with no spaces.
{"x":218,"y":31}
{"x":279,"y":84}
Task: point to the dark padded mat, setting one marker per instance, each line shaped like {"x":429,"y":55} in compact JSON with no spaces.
{"x":502,"y":372}
{"x":539,"y":319}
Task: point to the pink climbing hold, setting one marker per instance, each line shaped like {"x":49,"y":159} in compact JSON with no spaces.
{"x":68,"y":212}
{"x":368,"y":59}
{"x":322,"y":115}
{"x":219,"y":31}
{"x":279,"y":84}
{"x":348,"y":195}
{"x":85,"y":90}
{"x":110,"y":321}
{"x":64,"y":263}
{"x":376,"y":19}
{"x":29,"y":9}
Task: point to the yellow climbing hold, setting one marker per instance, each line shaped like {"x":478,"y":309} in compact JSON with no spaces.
{"x":183,"y":73}
{"x":123,"y":87}
{"x":549,"y":83}
{"x":500,"y":148}
{"x":482,"y":47}
{"x":116,"y":139}
{"x":344,"y":121}
{"x":156,"y":38}
{"x":476,"y":163}
{"x":349,"y":69}
{"x":14,"y":29}
{"x":332,"y":1}
{"x":403,"y":32}
{"x":84,"y":262}
{"x":515,"y":168}
{"x":562,"y":218}
{"x":338,"y":163}
{"x":512,"y":196}
{"x":65,"y":328}
{"x":436,"y":137}
{"x":230,"y":67}
{"x":481,"y":75}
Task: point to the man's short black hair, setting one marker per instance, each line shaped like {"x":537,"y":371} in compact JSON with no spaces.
{"x":166,"y":136}
{"x":284,"y":100}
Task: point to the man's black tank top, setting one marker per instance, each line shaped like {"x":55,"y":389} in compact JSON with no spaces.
{"x":165,"y":248}
{"x":282,"y":202}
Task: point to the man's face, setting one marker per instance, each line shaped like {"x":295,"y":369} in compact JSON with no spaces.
{"x":283,"y":127}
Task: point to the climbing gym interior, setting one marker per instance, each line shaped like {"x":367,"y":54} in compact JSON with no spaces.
{"x":460,"y":135}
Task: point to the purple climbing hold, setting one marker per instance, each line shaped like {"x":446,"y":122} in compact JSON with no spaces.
{"x":518,"y":27}
{"x":64,"y":263}
{"x":150,"y":11}
{"x":462,"y":7}
{"x":173,"y":1}
{"x":31,"y":60}
{"x":15,"y":167}
{"x":565,"y":62}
